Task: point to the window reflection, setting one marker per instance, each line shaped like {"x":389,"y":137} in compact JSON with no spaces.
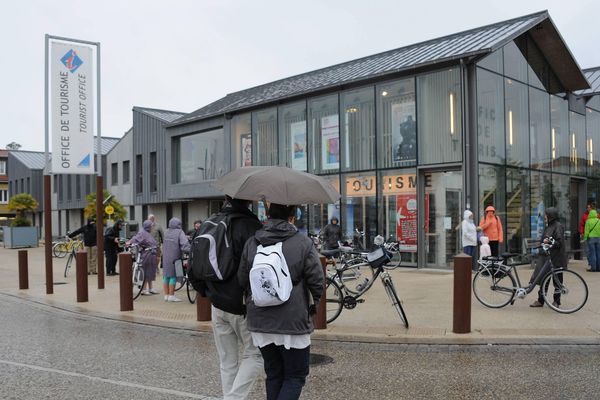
{"x":200,"y":156}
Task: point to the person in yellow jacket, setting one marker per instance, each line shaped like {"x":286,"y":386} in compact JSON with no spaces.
{"x":591,"y":234}
{"x":492,"y":228}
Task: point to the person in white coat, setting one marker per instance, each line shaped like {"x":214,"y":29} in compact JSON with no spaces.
{"x":469,"y":235}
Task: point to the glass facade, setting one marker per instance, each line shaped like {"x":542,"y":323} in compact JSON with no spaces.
{"x":324,"y":134}
{"x":292,"y":136}
{"x":357,"y":109}
{"x":490,"y":120}
{"x":264,"y":137}
{"x":198,"y":156}
{"x":516,"y":118}
{"x":241,"y":140}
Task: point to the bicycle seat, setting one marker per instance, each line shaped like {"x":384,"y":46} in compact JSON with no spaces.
{"x":330,"y":253}
{"x":509,"y":255}
{"x":346,"y":249}
{"x":491,"y":258}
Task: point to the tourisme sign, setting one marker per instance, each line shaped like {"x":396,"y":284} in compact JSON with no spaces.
{"x":71,"y":96}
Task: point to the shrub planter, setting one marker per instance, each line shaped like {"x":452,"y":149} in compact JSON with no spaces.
{"x":23,"y":236}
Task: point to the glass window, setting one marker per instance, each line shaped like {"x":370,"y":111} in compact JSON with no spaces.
{"x":153,"y":172}
{"x":2,"y":167}
{"x":397,"y":190}
{"x":578,"y":143}
{"x":358,"y":130}
{"x":69,"y":187}
{"x":139,"y":176}
{"x":241,"y":139}
{"x":359,"y":209}
{"x":78,"y":179}
{"x":292,"y":136}
{"x":321,"y":214}
{"x":3,"y":196}
{"x":517,"y":123}
{"x":593,"y":137}
{"x":439,"y":117}
{"x":201,"y":158}
{"x":396,"y":124}
{"x":539,"y":129}
{"x":516,"y":221}
{"x":125,"y":172}
{"x":541,"y":198}
{"x":114,"y":174}
{"x":490,"y":117}
{"x":493,"y":62}
{"x":88,"y":184}
{"x":264,"y":137}
{"x":492,"y":191}
{"x":515,"y":64}
{"x":559,"y":134}
{"x":561,"y":199}
{"x":55,"y":180}
{"x":324,"y":134}
{"x":594,"y":103}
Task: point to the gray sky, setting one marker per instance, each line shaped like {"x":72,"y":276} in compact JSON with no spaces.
{"x":181,"y":55}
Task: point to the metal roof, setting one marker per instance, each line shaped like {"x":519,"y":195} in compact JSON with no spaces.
{"x":31,"y":159}
{"x":472,"y":42}
{"x":593,"y":77}
{"x":106,"y":144}
{"x":163,"y":115}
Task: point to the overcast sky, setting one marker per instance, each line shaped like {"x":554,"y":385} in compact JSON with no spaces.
{"x":181,"y":55}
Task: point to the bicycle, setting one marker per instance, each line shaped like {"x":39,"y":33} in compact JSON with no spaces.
{"x":184,"y":281}
{"x":339,"y":297}
{"x":353,"y":267}
{"x":63,"y":247}
{"x":138,"y":276}
{"x":72,"y":254}
{"x":392,"y":247}
{"x":495,"y":285}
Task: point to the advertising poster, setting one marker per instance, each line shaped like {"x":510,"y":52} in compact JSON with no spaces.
{"x":246,"y":150}
{"x":298,"y":139}
{"x":406,"y":221}
{"x":404,"y":131}
{"x":330,"y":145}
{"x":72,"y":93}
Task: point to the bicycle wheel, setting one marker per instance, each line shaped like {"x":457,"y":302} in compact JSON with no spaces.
{"x":68,"y":264}
{"x":570,"y":290}
{"x":60,"y":249}
{"x":191,"y":292}
{"x":396,"y":303}
{"x":335,"y":300}
{"x":493,"y":287}
{"x":357,"y":276}
{"x":138,"y":279}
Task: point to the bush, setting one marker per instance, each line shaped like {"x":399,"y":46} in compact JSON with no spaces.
{"x":20,"y":221}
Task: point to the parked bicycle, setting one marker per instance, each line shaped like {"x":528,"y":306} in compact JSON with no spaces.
{"x":339,"y":297}
{"x":393,"y":248}
{"x":138,"y":276}
{"x":73,"y":247}
{"x":184,"y":281}
{"x":61,"y":248}
{"x":497,"y":283}
{"x":354,"y":268}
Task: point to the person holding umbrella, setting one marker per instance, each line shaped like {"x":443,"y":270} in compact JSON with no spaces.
{"x":282,"y":332}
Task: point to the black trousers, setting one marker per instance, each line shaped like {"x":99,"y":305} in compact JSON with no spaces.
{"x":494,"y":244}
{"x":286,"y":371}
{"x":111,"y":261}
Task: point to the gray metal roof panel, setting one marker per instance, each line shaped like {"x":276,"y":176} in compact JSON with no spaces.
{"x":593,"y":77}
{"x":31,"y":159}
{"x":106,"y":144}
{"x":164,"y":115}
{"x":471,"y":42}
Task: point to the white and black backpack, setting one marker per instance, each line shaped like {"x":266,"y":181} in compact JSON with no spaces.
{"x":270,"y":280}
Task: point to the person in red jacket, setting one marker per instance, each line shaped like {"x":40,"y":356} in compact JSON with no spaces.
{"x":492,"y":228}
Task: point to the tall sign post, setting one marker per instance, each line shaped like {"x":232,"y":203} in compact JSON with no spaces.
{"x":72,"y":108}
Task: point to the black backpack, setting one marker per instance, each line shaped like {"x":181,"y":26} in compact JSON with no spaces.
{"x":211,"y":254}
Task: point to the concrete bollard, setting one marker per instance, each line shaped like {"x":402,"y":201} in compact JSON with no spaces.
{"x":320,"y":318}
{"x":23,"y":270}
{"x":81,"y":276}
{"x":462,"y":294}
{"x":126,"y":281}
{"x":203,"y":308}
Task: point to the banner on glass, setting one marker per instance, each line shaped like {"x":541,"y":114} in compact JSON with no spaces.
{"x":406,"y":220}
{"x":330,"y":147}
{"x":72,"y":82}
{"x":298,"y":138}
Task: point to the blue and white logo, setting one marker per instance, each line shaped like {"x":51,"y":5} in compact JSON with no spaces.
{"x":85,"y":162}
{"x":71,"y":60}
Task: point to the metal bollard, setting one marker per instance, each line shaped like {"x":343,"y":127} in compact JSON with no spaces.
{"x":126,"y":281}
{"x":462,"y":294}
{"x":23,"y":270}
{"x":320,"y":318}
{"x":203,"y":308}
{"x":81,"y":276}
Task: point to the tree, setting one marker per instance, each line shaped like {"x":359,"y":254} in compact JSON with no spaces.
{"x":90,"y":208}
{"x":13,"y":146}
{"x":22,"y":203}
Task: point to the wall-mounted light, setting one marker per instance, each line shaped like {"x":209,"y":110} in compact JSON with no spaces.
{"x":573,"y":150}
{"x":510,"y":127}
{"x":591,"y":151}
{"x":451,"y":96}
{"x":351,"y":110}
{"x":553,"y":144}
{"x":384,"y":93}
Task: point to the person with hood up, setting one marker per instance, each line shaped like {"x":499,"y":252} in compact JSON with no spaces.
{"x":143,"y":238}
{"x":591,"y":234}
{"x":558,"y":253}
{"x":492,"y":228}
{"x":175,"y":244}
{"x":332,"y":234}
{"x":469,"y":235}
{"x":111,"y":247}
{"x":282,"y":332}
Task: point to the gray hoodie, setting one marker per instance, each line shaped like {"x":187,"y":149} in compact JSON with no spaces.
{"x":291,"y":317}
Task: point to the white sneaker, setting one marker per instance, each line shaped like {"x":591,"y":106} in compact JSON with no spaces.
{"x":145,"y":293}
{"x":154,"y":291}
{"x":174,"y":299}
{"x":166,"y":298}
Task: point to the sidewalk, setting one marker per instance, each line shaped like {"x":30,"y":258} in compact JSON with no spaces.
{"x":426,"y":296}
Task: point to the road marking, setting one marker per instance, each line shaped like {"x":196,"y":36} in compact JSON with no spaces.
{"x":111,"y":381}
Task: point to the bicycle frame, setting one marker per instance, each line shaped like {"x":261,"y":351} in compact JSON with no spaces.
{"x":547,"y":267}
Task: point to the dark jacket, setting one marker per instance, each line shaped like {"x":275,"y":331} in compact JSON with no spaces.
{"x":89,"y":234}
{"x":291,"y":317}
{"x":331,"y":235}
{"x":554,"y":229}
{"x":109,"y":239}
{"x":227,"y":295}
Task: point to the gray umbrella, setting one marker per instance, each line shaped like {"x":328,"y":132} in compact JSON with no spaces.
{"x":279,"y":185}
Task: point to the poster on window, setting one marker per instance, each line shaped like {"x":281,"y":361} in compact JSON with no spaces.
{"x":246,"y":150}
{"x":404,"y":132}
{"x":330,"y":145}
{"x":406,"y":220}
{"x":298,"y":140}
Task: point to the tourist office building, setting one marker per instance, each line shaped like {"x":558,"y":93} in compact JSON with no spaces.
{"x":499,"y":115}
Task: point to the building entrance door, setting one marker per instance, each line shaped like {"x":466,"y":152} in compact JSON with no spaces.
{"x":440,"y":195}
{"x":577,"y":205}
